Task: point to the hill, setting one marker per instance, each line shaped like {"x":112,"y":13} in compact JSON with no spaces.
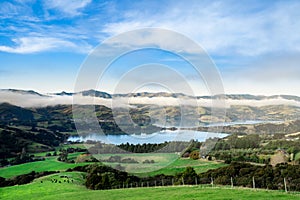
{"x":43,"y":188}
{"x":11,"y":113}
{"x":31,"y":98}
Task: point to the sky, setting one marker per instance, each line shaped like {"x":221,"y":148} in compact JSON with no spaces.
{"x":255,"y":45}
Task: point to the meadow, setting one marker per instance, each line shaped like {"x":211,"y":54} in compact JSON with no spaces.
{"x":165,"y":163}
{"x":43,"y":188}
{"x":49,"y":164}
{"x":70,"y":185}
{"x":180,"y":164}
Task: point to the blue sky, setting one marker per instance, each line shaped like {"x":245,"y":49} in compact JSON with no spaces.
{"x":254,"y":44}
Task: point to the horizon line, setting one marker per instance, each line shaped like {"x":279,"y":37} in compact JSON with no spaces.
{"x":64,"y":91}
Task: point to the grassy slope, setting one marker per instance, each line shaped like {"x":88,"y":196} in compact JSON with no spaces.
{"x":180,"y":165}
{"x":161,"y":160}
{"x":164,"y":164}
{"x":48,"y":190}
{"x":50,"y":164}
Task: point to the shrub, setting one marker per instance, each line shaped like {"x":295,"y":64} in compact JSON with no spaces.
{"x":148,"y":161}
{"x":194,"y":155}
{"x":48,"y":154}
{"x":189,"y":176}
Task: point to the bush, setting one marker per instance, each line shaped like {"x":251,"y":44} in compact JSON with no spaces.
{"x":189,"y":176}
{"x":129,"y":160}
{"x":194,"y":155}
{"x":148,"y":161}
{"x":48,"y":154}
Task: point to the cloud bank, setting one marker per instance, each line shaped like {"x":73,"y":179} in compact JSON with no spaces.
{"x":34,"y":100}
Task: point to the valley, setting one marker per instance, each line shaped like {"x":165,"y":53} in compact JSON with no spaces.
{"x":41,"y":140}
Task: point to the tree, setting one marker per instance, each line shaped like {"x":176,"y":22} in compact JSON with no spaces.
{"x":48,"y":154}
{"x":63,"y":156}
{"x":189,"y":176}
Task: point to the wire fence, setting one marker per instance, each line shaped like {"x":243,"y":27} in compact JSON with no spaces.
{"x":287,"y":185}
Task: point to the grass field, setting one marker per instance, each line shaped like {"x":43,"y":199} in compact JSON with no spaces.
{"x":50,"y":164}
{"x":165,"y":163}
{"x":46,"y":190}
{"x":180,"y":165}
{"x":161,"y":160}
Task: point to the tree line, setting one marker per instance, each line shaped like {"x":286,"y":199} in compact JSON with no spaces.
{"x":166,"y":147}
{"x":236,"y":174}
{"x":101,"y":177}
{"x":245,"y":175}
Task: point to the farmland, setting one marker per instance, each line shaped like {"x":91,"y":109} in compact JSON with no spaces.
{"x":43,"y":188}
{"x":165,"y":163}
{"x":50,"y":164}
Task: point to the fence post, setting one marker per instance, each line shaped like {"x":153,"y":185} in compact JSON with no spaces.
{"x":182,"y":181}
{"x":231,"y":182}
{"x":200,"y":182}
{"x":147,"y":183}
{"x":212,"y":181}
{"x":285,"y":188}
{"x":173,"y":181}
{"x":155,"y":183}
{"x":142,"y":184}
{"x":162,"y":182}
{"x":253,"y":180}
{"x":196,"y":181}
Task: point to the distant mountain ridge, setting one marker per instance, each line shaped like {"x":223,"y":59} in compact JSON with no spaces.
{"x":31,"y":92}
{"x":105,"y":95}
{"x":30,"y":98}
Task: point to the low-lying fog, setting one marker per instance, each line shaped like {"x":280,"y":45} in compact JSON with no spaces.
{"x":33,"y":100}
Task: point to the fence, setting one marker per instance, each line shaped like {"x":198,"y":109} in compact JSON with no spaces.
{"x":287,"y":185}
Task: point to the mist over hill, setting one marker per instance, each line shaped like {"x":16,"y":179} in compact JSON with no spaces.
{"x":30,"y":119}
{"x":29,"y":98}
{"x":148,"y":110}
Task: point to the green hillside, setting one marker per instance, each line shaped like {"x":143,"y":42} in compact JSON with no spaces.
{"x":50,"y":164}
{"x":166,"y":163}
{"x":44,"y":188}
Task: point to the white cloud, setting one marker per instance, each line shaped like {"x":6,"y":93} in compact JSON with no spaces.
{"x":154,"y":38}
{"x":29,"y":100}
{"x":224,"y":28}
{"x":241,"y":35}
{"x":69,"y":7}
{"x":38,"y":44}
{"x":30,"y":31}
{"x":8,"y":9}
